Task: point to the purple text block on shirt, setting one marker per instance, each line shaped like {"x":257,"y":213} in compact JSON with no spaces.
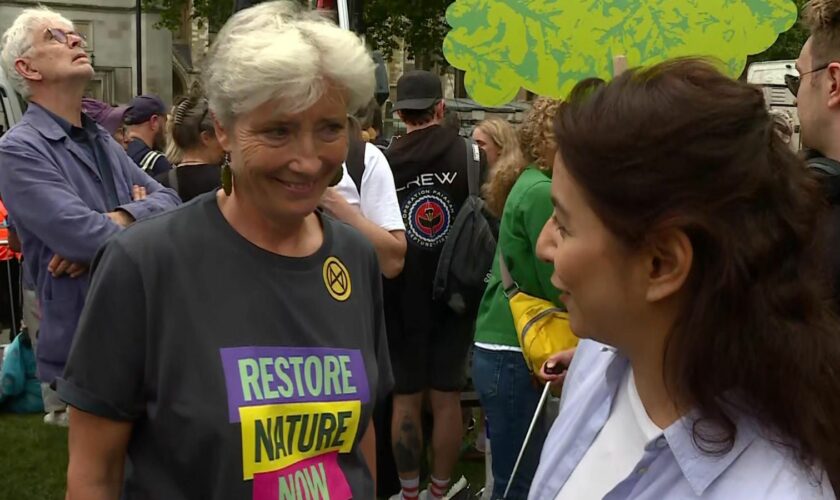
{"x":276,"y":375}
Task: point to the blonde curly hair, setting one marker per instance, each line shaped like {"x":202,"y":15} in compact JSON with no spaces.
{"x":536,"y":141}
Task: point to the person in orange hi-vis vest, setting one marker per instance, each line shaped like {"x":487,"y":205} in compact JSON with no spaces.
{"x":6,"y":253}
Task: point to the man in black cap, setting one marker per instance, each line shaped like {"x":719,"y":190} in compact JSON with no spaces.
{"x":145,"y":121}
{"x":429,"y":343}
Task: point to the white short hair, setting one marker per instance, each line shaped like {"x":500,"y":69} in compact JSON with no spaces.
{"x":19,"y":38}
{"x":276,"y":50}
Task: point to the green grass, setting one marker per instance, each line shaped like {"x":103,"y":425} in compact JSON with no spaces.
{"x":33,"y":458}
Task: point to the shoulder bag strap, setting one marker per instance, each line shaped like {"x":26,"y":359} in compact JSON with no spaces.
{"x":510,"y":286}
{"x":356,"y":162}
{"x":473,"y":166}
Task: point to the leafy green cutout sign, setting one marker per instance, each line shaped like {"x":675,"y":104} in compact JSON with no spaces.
{"x":546,"y":46}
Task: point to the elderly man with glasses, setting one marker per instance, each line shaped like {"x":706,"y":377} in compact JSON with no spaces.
{"x":66,"y":182}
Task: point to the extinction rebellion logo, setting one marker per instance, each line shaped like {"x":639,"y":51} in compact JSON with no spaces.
{"x":428,"y":215}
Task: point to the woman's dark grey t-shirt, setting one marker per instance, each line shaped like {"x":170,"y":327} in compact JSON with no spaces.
{"x":246,"y":374}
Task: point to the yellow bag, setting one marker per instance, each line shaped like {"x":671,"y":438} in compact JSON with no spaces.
{"x":541,"y":327}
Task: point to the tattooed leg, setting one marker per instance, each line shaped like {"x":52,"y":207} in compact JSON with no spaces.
{"x":407,"y":434}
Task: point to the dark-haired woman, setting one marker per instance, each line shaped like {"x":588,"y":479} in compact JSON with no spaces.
{"x":684,"y":244}
{"x":200,"y":153}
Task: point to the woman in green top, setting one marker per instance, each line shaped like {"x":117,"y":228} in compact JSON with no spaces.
{"x":519,"y":191}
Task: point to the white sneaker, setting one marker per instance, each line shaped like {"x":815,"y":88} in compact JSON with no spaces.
{"x":58,"y":418}
{"x":455,"y":488}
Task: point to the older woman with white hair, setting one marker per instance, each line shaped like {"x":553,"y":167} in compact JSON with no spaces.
{"x":235,"y":348}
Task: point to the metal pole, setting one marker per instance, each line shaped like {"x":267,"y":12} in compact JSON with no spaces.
{"x":343,"y":15}
{"x":527,"y":438}
{"x":13,"y":330}
{"x":138,"y":14}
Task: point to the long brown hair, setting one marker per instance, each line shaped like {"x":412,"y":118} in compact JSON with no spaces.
{"x":680,"y":145}
{"x":534,"y":133}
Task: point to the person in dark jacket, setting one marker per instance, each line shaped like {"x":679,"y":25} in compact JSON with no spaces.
{"x":429,"y":343}
{"x":817,"y":91}
{"x":145,"y":128}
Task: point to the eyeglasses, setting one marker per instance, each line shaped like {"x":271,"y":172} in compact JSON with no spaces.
{"x":792,"y":81}
{"x":63,"y":37}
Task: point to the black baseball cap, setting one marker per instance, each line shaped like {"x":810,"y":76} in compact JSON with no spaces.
{"x":418,"y":90}
{"x":142,"y":108}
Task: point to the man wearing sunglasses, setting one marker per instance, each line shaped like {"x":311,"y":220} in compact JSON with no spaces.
{"x":66,"y":182}
{"x":817,"y":91}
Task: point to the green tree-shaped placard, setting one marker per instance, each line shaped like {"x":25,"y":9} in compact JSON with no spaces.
{"x":546,"y":46}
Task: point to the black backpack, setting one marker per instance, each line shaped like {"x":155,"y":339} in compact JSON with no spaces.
{"x":466,"y":258}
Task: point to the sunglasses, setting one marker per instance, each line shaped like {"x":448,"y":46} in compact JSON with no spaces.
{"x":792,"y":82}
{"x":63,"y":37}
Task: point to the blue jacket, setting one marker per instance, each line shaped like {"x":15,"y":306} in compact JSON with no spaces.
{"x":55,"y":193}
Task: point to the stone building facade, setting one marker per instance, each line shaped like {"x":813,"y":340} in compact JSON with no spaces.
{"x":111,"y":31}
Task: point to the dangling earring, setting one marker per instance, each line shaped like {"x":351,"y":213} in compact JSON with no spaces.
{"x":227,"y":175}
{"x":337,"y":177}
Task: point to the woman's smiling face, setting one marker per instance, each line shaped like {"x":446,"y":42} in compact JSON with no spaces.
{"x":283,"y":162}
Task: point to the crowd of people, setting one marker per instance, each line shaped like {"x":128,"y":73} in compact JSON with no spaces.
{"x":240,"y":287}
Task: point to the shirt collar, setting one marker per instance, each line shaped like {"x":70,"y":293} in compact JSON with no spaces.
{"x":702,"y":469}
{"x":699,"y":469}
{"x":88,"y":125}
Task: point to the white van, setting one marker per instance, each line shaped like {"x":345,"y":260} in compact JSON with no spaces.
{"x":770,"y":76}
{"x":11,"y":105}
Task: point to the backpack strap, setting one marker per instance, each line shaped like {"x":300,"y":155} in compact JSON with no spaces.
{"x":473,"y":167}
{"x":172,"y":179}
{"x":148,"y":161}
{"x":356,"y":162}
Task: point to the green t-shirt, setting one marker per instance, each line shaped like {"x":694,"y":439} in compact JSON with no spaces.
{"x":527,"y":209}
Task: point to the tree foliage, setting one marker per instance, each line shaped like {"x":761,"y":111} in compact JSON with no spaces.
{"x":172,"y":12}
{"x":420,"y":24}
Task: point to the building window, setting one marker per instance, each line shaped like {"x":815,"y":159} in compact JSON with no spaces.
{"x":111,"y":85}
{"x":86,"y":29}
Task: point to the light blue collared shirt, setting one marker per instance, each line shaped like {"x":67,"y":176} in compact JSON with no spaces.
{"x":671,"y":466}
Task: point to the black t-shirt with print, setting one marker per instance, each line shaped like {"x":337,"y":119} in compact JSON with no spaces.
{"x":193,"y":180}
{"x":246,"y":374}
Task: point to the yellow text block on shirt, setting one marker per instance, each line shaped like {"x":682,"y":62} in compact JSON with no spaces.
{"x":278,"y":435}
